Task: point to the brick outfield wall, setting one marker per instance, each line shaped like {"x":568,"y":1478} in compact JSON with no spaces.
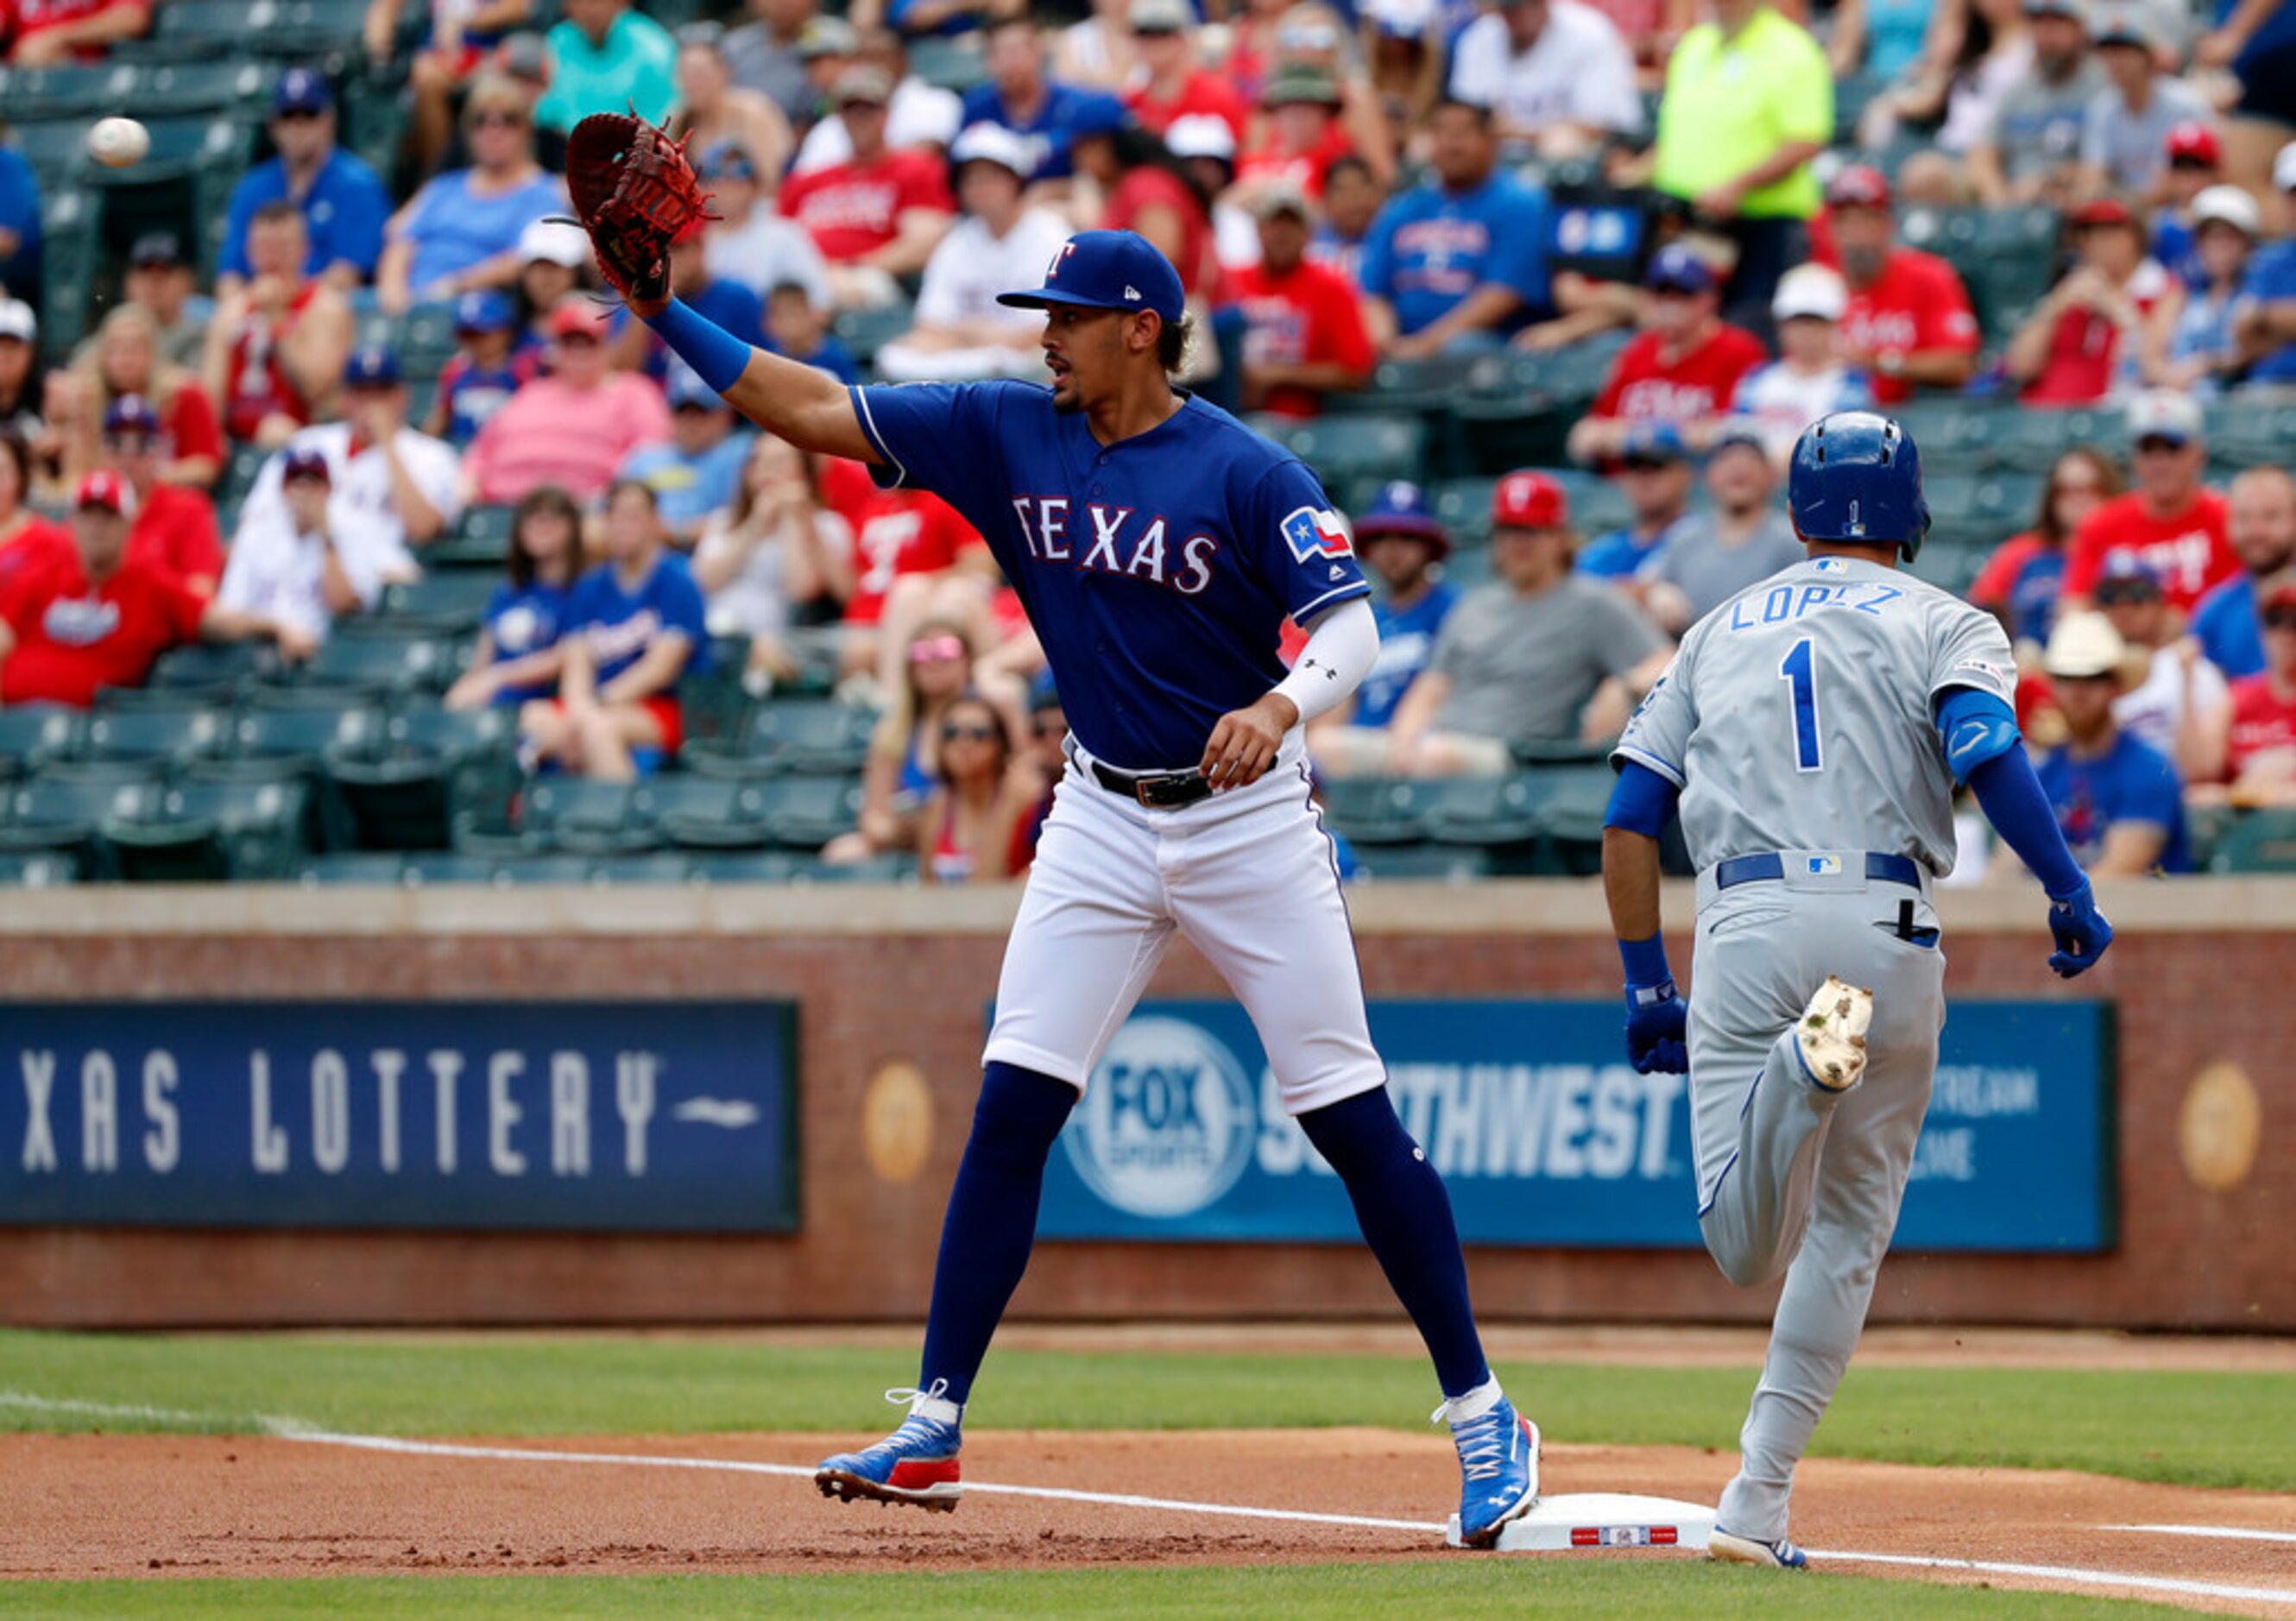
{"x":2188,"y":997}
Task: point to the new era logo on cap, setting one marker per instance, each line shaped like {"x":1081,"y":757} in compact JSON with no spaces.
{"x":1132,"y":293}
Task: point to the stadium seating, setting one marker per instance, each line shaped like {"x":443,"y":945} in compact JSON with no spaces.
{"x":2258,"y":842}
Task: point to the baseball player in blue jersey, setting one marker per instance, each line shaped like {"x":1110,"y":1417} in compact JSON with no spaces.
{"x":1811,"y":730}
{"x":1158,"y":545}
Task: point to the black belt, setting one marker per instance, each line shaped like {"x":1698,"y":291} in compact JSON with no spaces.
{"x":1156,"y":790}
{"x":1880,"y":868}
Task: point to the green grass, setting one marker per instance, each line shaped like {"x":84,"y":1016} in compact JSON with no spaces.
{"x":2224,"y":1429}
{"x":1434,"y":1588}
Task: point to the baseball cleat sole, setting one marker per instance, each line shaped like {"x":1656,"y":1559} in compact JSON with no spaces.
{"x":1727,"y":1550}
{"x":941,"y":1498}
{"x":1831,"y":1035}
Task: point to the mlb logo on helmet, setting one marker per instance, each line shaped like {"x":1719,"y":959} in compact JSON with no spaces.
{"x":1315,"y":531}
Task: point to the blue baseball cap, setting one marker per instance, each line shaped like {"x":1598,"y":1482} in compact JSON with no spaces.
{"x":484,"y":311}
{"x":305,"y":461}
{"x":131,"y":413}
{"x":372,"y":365}
{"x":1649,"y":441}
{"x":1095,"y":112}
{"x":1400,"y":508}
{"x":1106,"y":270}
{"x":1675,"y":269}
{"x":303,"y":90}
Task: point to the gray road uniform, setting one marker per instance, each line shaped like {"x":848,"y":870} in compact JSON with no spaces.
{"x":1796,"y":720}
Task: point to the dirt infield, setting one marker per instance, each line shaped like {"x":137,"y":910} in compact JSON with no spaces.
{"x":106,"y":1505}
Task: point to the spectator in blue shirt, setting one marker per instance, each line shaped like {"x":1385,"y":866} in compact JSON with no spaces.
{"x":799,"y":328}
{"x":607,"y":57}
{"x":2118,"y":800}
{"x":20,"y":225}
{"x":2265,"y":321}
{"x":916,"y":17}
{"x":344,"y":204}
{"x":484,"y":372}
{"x":697,"y":471}
{"x":2260,"y":523}
{"x":1046,"y":116}
{"x":1403,"y":545}
{"x":519,"y":654}
{"x":1458,"y":262}
{"x":460,"y":231}
{"x":1656,"y":472}
{"x":634,"y":627}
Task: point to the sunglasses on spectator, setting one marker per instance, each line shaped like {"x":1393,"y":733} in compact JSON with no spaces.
{"x":2181,"y":161}
{"x":297,"y":115}
{"x":2280,"y":618}
{"x":1644,"y":465}
{"x":2126,"y":593}
{"x":960,"y":732}
{"x":501,"y":117}
{"x":931,"y":649}
{"x":2157,"y":445}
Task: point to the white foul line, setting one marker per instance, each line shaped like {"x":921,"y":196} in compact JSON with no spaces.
{"x":291,"y":1430}
{"x":2246,"y":1534}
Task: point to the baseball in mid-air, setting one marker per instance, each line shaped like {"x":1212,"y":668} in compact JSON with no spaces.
{"x":116,"y":142}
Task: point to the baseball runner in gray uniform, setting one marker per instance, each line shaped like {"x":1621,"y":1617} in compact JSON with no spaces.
{"x":1809,"y":732}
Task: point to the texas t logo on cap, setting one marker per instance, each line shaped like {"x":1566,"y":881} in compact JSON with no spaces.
{"x":1052,"y":270}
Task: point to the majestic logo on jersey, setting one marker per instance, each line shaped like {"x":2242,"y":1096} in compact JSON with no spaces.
{"x":1168,"y":1123}
{"x":1315,"y":531}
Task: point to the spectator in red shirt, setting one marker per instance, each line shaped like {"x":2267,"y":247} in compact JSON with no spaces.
{"x":2021,"y":579}
{"x":1304,"y":136}
{"x":1908,"y":323}
{"x":174,"y":531}
{"x":2108,"y":324}
{"x":1681,"y":368}
{"x":2170,"y":523}
{"x":125,"y":359}
{"x":101,"y":619}
{"x":2262,"y":755}
{"x":880,"y":215}
{"x":42,"y":33}
{"x":1175,"y":83}
{"x":901,"y":534}
{"x":1149,"y":190}
{"x":1303,"y":333}
{"x":28,"y":543}
{"x":277,"y":347}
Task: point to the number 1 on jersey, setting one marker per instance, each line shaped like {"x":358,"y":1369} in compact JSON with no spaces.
{"x":1799,"y":670}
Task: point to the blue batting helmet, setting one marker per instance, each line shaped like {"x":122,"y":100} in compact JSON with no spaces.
{"x":1857,"y":477}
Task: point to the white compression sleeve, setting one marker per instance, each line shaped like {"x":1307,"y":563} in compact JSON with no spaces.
{"x":1343,"y":643}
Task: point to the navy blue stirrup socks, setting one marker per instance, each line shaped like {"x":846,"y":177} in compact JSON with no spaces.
{"x":991,"y":1225}
{"x":1406,"y":1218}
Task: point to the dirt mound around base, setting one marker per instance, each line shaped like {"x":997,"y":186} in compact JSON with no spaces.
{"x":108,"y":1505}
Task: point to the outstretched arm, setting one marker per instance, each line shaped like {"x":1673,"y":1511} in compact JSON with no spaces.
{"x":1983,"y":749}
{"x":809,"y":408}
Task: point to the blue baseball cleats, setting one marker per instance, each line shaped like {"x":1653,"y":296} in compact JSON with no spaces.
{"x":915,"y":1464}
{"x":1731,"y":1549}
{"x":1498,"y":1466}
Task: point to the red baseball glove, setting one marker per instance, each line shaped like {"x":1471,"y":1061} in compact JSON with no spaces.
{"x":635,"y":193}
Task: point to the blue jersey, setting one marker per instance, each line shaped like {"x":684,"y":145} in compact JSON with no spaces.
{"x":1158,"y":571}
{"x":2272,"y":280}
{"x":1430,"y":247}
{"x":2131,"y":781}
{"x":2228,"y":628}
{"x":1407,"y":640}
{"x":343,"y":214}
{"x":523,"y":619}
{"x":473,"y":395}
{"x":1048,"y":135}
{"x":619,"y":626}
{"x":1620,"y":554}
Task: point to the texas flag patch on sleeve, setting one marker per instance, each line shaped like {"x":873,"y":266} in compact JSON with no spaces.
{"x":1315,"y":531}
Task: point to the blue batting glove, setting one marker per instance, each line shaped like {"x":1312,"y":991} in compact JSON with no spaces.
{"x":2081,"y":932}
{"x":1658,"y":1024}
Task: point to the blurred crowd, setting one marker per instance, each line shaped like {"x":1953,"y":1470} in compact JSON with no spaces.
{"x":1662,"y":192}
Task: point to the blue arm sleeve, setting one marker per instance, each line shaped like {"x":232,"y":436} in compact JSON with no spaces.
{"x":1976,"y":726}
{"x":717,"y":356}
{"x":1641,"y":802}
{"x":2014,"y":803}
